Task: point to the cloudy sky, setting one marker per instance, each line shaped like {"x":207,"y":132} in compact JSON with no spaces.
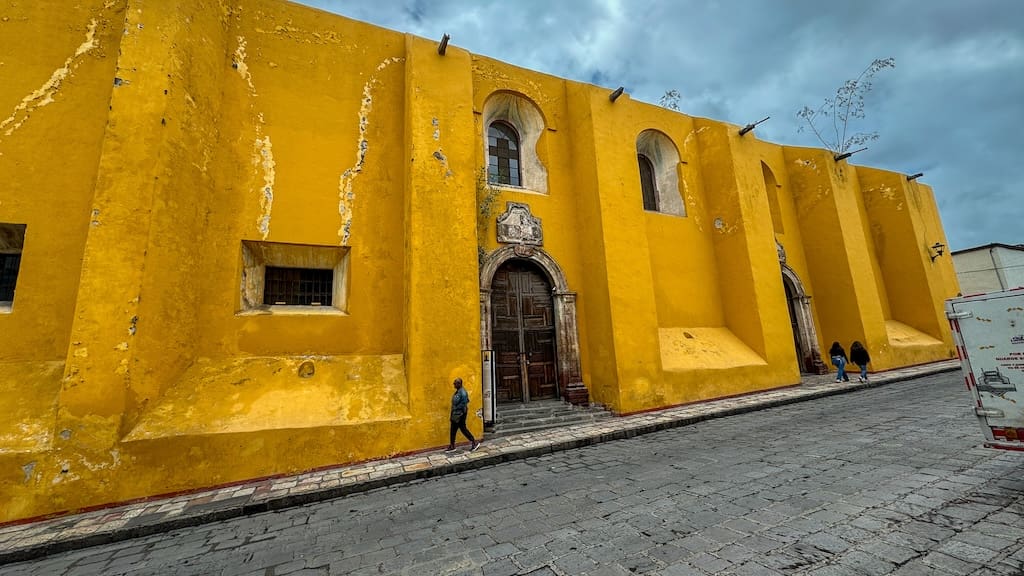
{"x":953,"y":106}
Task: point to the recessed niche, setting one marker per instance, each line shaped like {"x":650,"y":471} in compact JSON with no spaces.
{"x":280,"y":278}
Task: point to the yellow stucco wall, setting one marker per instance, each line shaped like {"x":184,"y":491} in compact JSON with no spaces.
{"x":130,"y":367}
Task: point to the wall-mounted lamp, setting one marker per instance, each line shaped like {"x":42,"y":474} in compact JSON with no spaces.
{"x":616,"y":93}
{"x":751,"y":126}
{"x":913,"y":177}
{"x":938,"y":248}
{"x":444,"y":44}
{"x":846,"y":155}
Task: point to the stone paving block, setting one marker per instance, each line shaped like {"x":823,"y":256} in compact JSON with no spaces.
{"x":928,"y":530}
{"x":709,"y":562}
{"x":833,"y":570}
{"x":630,"y":543}
{"x":574,"y":563}
{"x":502,"y":567}
{"x":782,"y":561}
{"x":1017,"y":556}
{"x":563,"y":546}
{"x":967,"y":552}
{"x":667,"y":553}
{"x":949,"y":563}
{"x":532,"y":558}
{"x":760,"y":544}
{"x":753,"y":569}
{"x":610,"y":570}
{"x":866,"y":563}
{"x":1000,"y":569}
{"x":869,"y":524}
{"x":979,"y":538}
{"x":826,"y":542}
{"x":289,"y":567}
{"x":682,"y":569}
{"x":640,"y":564}
{"x":766,"y":518}
{"x":501,"y":551}
{"x":917,"y":567}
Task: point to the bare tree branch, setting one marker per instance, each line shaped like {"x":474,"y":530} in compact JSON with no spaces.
{"x":847,"y":104}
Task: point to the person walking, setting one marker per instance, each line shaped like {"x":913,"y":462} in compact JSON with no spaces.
{"x":839,"y":360}
{"x":460,"y":408}
{"x":859,"y":356}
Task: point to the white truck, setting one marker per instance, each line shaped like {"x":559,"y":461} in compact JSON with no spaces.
{"x":989,"y":333}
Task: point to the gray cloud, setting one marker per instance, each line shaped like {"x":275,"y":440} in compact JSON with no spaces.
{"x":951,"y":108}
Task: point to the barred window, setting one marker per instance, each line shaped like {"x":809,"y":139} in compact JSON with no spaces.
{"x":9,"y":264}
{"x":503,"y":155}
{"x":298,"y":286}
{"x":12,"y":242}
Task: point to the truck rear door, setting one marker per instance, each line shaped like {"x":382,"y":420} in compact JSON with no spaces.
{"x":989,"y":333}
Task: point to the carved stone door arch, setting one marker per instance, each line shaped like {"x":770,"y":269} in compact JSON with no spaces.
{"x":804,"y":332}
{"x":569,"y":374}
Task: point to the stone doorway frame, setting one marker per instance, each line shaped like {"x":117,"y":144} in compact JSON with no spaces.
{"x":810,"y":352}
{"x":567,"y":342}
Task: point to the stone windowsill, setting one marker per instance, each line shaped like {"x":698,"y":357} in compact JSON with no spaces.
{"x":292,"y":311}
{"x":519,"y":189}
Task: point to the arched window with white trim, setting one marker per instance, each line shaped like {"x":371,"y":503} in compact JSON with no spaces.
{"x":512,"y":126}
{"x":658,"y":159}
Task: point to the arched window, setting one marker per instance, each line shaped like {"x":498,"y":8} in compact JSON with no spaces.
{"x":771,"y":186}
{"x":503,"y":155}
{"x":659,"y":173}
{"x":647,"y":183}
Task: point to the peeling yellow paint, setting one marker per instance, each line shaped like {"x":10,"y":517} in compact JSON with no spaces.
{"x":440,"y":157}
{"x":242,"y":67}
{"x":296,"y":34}
{"x":44,"y":94}
{"x":693,"y":134}
{"x":264,"y":157}
{"x":346,"y":195}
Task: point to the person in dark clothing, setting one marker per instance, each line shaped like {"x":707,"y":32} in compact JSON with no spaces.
{"x":460,"y":408}
{"x":859,"y":356}
{"x":839,"y":360}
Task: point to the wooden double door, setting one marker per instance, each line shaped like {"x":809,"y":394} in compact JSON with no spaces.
{"x":523,"y":333}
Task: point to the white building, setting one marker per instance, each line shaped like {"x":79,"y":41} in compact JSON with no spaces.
{"x":989,"y":268}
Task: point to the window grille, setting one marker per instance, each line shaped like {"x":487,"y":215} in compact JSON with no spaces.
{"x":9,"y":264}
{"x":503,"y":155}
{"x":298,"y":286}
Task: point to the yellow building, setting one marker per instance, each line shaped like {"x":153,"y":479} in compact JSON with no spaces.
{"x":245,"y":238}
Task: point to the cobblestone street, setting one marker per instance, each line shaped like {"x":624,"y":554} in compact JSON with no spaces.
{"x":890,"y":480}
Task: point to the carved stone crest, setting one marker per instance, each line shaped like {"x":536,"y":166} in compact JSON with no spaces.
{"x":781,"y":251}
{"x":524,"y":251}
{"x":518,"y":226}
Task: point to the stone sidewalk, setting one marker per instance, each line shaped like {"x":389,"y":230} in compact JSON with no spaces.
{"x":32,"y":540}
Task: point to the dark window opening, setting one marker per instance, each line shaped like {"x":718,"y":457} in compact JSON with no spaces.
{"x":503,"y":155}
{"x":9,"y":264}
{"x":298,"y":286}
{"x":647,"y":183}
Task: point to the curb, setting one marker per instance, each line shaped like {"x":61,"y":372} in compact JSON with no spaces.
{"x":48,"y":548}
